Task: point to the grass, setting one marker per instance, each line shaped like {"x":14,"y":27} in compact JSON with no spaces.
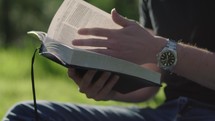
{"x":52,"y":82}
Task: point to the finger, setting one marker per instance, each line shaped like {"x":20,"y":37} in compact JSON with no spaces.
{"x":120,"y":20}
{"x":86,"y":81}
{"x":108,"y":52}
{"x":92,"y":42}
{"x":72,"y":74}
{"x":101,"y":32}
{"x":99,"y":84}
{"x":108,"y":87}
{"x":107,"y":92}
{"x":112,"y":53}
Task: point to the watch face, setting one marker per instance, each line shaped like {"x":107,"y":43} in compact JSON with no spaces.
{"x":167,"y":59}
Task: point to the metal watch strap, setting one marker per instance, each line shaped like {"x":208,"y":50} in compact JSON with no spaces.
{"x":171,"y":44}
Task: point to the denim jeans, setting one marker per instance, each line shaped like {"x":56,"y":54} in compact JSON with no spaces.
{"x":181,"y":109}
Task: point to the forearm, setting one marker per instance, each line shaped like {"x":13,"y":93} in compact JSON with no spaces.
{"x":137,"y":96}
{"x":196,"y":64}
{"x":193,"y":63}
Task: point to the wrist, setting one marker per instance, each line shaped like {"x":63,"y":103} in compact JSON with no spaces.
{"x":159,"y":44}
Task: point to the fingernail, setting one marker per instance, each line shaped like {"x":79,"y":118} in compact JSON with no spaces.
{"x":114,"y":10}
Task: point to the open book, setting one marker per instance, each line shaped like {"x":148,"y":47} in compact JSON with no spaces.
{"x":57,"y":46}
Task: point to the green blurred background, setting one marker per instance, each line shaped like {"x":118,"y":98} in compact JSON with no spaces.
{"x":17,"y":17}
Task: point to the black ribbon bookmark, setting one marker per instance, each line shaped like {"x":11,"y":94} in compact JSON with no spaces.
{"x":33,"y":85}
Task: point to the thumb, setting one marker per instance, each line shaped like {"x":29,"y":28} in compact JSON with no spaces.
{"x":120,"y":20}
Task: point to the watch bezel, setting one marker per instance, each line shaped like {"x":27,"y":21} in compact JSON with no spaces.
{"x":169,"y":48}
{"x":167,"y":66}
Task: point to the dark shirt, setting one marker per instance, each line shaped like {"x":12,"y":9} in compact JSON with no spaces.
{"x":193,"y":22}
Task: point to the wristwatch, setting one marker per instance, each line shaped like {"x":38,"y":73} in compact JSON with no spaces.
{"x":167,"y":57}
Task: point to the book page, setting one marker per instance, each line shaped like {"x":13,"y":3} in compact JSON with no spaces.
{"x":75,"y":14}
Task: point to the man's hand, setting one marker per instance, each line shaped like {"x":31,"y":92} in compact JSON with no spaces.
{"x":132,"y":42}
{"x":101,"y":89}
